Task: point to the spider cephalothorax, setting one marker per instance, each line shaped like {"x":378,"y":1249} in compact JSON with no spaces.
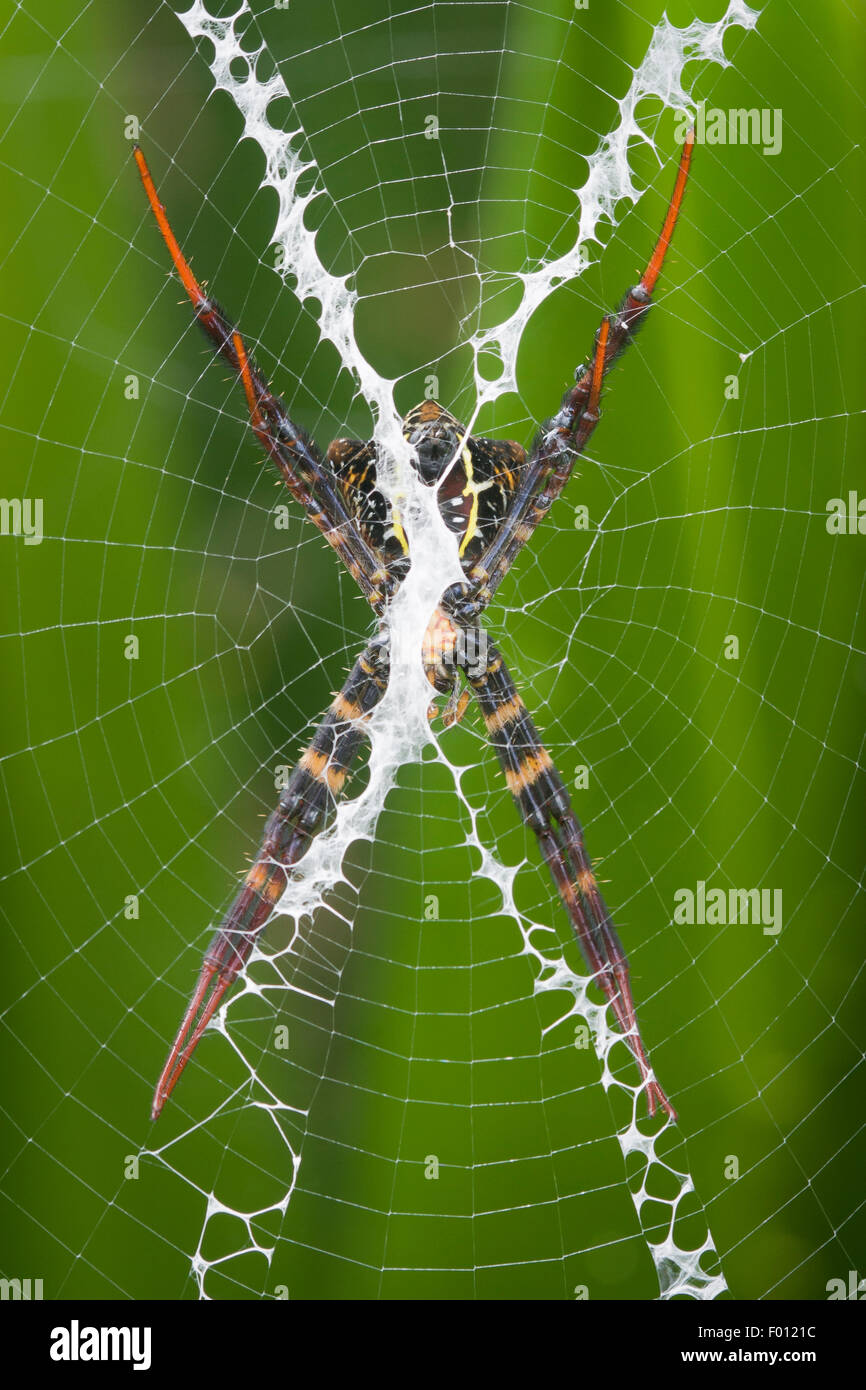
{"x":492,"y":496}
{"x":475,"y":479}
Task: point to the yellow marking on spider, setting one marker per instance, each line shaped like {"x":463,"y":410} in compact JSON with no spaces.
{"x":470,"y":490}
{"x":503,"y":714}
{"x":586,"y":882}
{"x":256,"y":877}
{"x":321,"y":770}
{"x":397,"y":527}
{"x":314,"y":762}
{"x":529,"y":771}
{"x":473,"y":490}
{"x":346,"y":709}
{"x":455,"y":709}
{"x":501,"y":469}
{"x":263,"y":881}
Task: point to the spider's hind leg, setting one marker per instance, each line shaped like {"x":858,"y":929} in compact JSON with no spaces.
{"x":313,"y":788}
{"x":545,"y":806}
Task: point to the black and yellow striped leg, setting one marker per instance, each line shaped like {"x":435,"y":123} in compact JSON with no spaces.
{"x":294,"y":454}
{"x":546,"y":808}
{"x":313,"y":788}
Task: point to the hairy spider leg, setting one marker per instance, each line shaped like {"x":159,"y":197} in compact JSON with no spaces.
{"x":566,"y":435}
{"x":295,"y":455}
{"x":545,"y":806}
{"x":313,"y":788}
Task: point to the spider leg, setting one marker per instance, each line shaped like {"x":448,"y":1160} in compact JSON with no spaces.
{"x":315,"y":784}
{"x":294,"y":454}
{"x":566,"y":435}
{"x":545,"y":806}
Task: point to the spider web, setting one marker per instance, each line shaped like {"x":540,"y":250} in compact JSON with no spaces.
{"x":415,"y":1091}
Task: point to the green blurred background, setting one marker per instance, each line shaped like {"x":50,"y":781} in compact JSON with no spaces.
{"x":148,"y":777}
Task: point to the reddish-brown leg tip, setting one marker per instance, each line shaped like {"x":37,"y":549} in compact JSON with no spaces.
{"x":190,"y":1032}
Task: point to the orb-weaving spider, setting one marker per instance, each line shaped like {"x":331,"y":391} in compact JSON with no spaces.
{"x":492,"y":496}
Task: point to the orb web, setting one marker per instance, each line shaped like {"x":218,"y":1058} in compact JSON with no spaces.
{"x":415,"y":1090}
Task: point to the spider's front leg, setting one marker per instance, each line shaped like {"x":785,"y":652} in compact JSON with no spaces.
{"x":546,"y":808}
{"x":315,"y":784}
{"x":566,"y":435}
{"x":294,"y":454}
